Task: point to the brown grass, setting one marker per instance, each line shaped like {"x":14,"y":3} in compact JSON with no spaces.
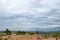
{"x":25,"y":37}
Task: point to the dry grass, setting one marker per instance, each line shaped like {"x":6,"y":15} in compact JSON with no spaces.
{"x":25,"y":37}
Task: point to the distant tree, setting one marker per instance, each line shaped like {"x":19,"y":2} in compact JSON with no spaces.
{"x":8,"y":32}
{"x":23,"y":32}
{"x":36,"y":32}
{"x":20,"y":32}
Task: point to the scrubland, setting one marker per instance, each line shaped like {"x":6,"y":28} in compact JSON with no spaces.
{"x":22,"y":35}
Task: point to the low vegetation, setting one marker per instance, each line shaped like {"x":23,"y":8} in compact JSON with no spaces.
{"x":8,"y":32}
{"x":44,"y":35}
{"x":20,"y":32}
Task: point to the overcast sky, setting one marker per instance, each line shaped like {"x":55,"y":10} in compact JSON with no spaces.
{"x":24,"y":14}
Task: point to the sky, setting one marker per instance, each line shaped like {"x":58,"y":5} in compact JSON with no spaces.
{"x":24,"y":14}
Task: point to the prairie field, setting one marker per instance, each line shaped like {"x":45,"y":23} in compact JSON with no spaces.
{"x":22,"y":35}
{"x":14,"y":36}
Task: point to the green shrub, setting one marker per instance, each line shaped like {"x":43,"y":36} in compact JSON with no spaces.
{"x":31,"y":33}
{"x":20,"y":32}
{"x":8,"y":32}
{"x":55,"y":34}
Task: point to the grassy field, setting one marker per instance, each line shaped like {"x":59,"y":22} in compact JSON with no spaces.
{"x":22,"y":35}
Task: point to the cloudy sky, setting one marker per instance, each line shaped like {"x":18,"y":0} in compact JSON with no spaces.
{"x":24,"y":14}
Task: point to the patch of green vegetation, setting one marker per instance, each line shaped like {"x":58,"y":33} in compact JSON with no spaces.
{"x":8,"y":32}
{"x":20,"y":32}
{"x":31,"y":33}
{"x":55,"y":34}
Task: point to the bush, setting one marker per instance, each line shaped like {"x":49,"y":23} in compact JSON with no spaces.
{"x":55,"y":34}
{"x":31,"y":33}
{"x":20,"y":32}
{"x":8,"y":32}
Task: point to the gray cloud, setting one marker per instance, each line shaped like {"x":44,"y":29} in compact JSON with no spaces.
{"x":43,"y":15}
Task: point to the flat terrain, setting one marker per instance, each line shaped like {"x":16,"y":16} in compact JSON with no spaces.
{"x":25,"y":37}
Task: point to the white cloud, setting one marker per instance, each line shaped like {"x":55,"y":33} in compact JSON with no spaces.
{"x":24,"y":6}
{"x":42,"y":10}
{"x":49,"y":3}
{"x":15,"y":6}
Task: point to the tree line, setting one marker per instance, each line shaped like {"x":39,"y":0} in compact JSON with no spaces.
{"x":46,"y":35}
